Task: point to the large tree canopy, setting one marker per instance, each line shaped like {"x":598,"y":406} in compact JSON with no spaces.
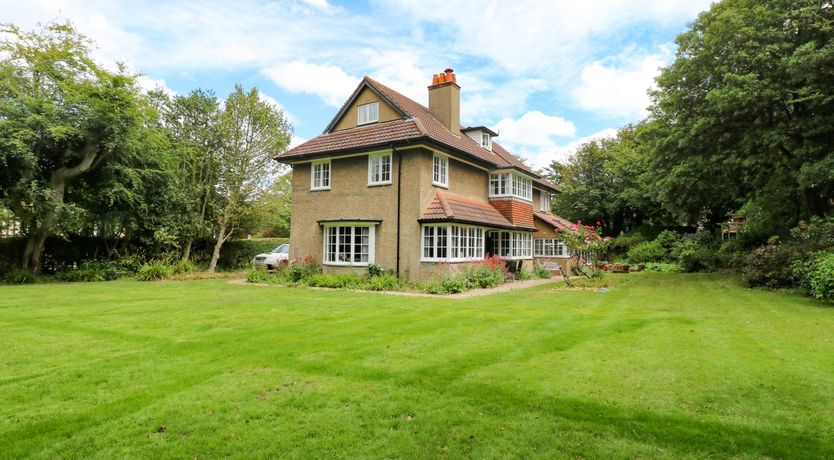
{"x":607,"y":180}
{"x":61,"y":116}
{"x":744,"y":117}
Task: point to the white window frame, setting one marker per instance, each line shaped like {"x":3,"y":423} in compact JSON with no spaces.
{"x":544,"y":202}
{"x":486,"y":141}
{"x":440,"y":171}
{"x":380,"y":158}
{"x":550,"y":248}
{"x":367,"y":113}
{"x":329,"y":175}
{"x":512,"y":245}
{"x":338,"y":254}
{"x":462,"y":243}
{"x":510,"y":184}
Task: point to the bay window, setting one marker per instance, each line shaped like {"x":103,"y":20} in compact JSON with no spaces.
{"x":349,"y":245}
{"x":511,"y":245}
{"x":549,"y":247}
{"x":510,"y":184}
{"x":452,"y":243}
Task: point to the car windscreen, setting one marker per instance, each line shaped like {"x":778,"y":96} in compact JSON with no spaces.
{"x":283,"y":249}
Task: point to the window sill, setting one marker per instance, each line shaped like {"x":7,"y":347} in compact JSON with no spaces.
{"x":319,"y":189}
{"x":438,"y":184}
{"x":368,"y":123}
{"x":346,"y":264}
{"x":452,"y":261}
{"x":379,"y":184}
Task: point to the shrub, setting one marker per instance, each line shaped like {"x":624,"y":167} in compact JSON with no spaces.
{"x":183,"y":267}
{"x":696,"y":256}
{"x":451,"y":284}
{"x":667,"y":239}
{"x":487,"y":273}
{"x":346,"y":280}
{"x":154,"y":271}
{"x":663,"y":267}
{"x":257,"y":274}
{"x":822,"y":278}
{"x":523,"y":274}
{"x":299,"y":270}
{"x":622,"y":243}
{"x":770,"y":266}
{"x":80,"y":274}
{"x":540,"y":271}
{"x":383,"y":282}
{"x":375,"y":270}
{"x":650,"y":251}
{"x":19,"y":276}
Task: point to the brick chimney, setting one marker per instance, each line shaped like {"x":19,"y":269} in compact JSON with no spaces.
{"x":444,"y":100}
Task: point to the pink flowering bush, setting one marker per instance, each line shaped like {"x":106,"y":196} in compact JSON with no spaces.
{"x":584,"y":241}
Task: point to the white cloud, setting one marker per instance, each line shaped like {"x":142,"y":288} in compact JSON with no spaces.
{"x":326,"y":81}
{"x":296,"y":141}
{"x":538,"y":35}
{"x":619,"y":88}
{"x":562,"y":152}
{"x":273,"y":102}
{"x":148,"y":84}
{"x":534,"y":135}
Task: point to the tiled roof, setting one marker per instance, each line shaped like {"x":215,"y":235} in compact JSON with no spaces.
{"x":447,"y":207}
{"x":552,"y":219}
{"x":420,"y":124}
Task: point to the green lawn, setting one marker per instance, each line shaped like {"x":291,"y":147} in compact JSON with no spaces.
{"x":663,"y":365}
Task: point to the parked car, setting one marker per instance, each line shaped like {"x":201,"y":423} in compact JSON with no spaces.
{"x":274,"y":258}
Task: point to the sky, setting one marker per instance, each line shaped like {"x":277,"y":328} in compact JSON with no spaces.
{"x":547,"y":75}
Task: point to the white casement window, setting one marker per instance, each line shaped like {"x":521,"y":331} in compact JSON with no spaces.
{"x":510,"y":184}
{"x":486,"y":141}
{"x":544,"y":202}
{"x":379,"y":169}
{"x":511,"y":245}
{"x":349,"y":245}
{"x":549,"y":247}
{"x":320,"y":175}
{"x":452,"y":243}
{"x":440,"y":171}
{"x":368,"y":113}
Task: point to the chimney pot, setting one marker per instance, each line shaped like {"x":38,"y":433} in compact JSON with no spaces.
{"x":441,"y":78}
{"x":435,"y":79}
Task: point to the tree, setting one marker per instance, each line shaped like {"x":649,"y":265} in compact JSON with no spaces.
{"x":191,"y":123}
{"x":61,"y":117}
{"x":744,"y":117}
{"x":607,"y":180}
{"x":253,"y":132}
{"x":269,"y":214}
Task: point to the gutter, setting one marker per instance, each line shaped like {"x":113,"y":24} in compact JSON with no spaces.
{"x":399,"y":200}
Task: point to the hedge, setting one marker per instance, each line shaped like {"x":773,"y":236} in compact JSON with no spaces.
{"x":61,"y":255}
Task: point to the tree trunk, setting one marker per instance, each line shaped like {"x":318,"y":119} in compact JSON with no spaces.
{"x":186,"y":250}
{"x":33,"y":254}
{"x":221,"y":238}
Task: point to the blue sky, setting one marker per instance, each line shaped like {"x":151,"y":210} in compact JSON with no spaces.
{"x":547,"y":75}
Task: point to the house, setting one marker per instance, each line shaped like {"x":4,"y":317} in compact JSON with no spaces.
{"x":394,"y":183}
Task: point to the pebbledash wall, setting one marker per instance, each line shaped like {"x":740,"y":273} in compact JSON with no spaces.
{"x":352,"y":198}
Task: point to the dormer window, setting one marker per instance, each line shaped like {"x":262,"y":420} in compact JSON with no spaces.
{"x":368,"y":113}
{"x":481,"y":135}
